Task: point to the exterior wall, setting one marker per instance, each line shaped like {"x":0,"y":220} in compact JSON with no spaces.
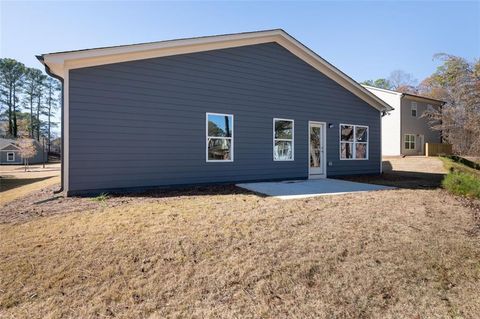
{"x":417,"y":125}
{"x":3,"y":156}
{"x":142,"y":123}
{"x":391,"y":141}
{"x":37,"y":159}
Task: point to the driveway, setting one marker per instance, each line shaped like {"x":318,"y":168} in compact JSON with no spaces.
{"x":310,"y":188}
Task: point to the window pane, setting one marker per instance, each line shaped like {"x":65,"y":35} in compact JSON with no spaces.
{"x":219,"y":149}
{"x":283,"y":150}
{"x":347,"y":150}
{"x":219,"y":125}
{"x":347,"y":133}
{"x":283,"y":129}
{"x":361,"y":134}
{"x":361,"y":150}
{"x":407,"y":145}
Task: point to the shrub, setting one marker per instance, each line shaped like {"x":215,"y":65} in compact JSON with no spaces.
{"x":462,"y":184}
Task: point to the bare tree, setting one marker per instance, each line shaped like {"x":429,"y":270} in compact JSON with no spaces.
{"x":27,"y":150}
{"x":456,"y":81}
{"x":399,"y":79}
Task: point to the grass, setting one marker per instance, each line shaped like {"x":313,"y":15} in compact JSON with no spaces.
{"x":102,"y":198}
{"x":21,"y":189}
{"x":461,"y":180}
{"x":402,"y":253}
{"x":463,"y":184}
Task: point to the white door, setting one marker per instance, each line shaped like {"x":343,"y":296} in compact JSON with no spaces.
{"x":317,"y":150}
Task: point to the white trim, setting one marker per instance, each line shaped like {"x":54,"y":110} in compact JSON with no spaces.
{"x":368,"y":87}
{"x":354,"y":150}
{"x":324,"y":145}
{"x":381,"y":137}
{"x":60,"y":62}
{"x":410,"y":142}
{"x":11,"y":153}
{"x":284,"y":139}
{"x":226,"y":138}
{"x":11,"y":144}
{"x":66,"y":131}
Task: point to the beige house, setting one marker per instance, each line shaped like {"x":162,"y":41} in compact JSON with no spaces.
{"x":404,"y":130}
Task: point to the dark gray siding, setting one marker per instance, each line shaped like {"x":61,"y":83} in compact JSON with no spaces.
{"x":142,"y":123}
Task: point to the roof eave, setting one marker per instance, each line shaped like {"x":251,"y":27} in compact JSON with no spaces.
{"x":59,"y":62}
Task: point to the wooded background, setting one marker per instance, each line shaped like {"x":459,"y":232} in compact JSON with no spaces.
{"x":29,"y":100}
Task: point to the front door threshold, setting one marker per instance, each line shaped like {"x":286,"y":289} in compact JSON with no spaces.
{"x":319,"y":176}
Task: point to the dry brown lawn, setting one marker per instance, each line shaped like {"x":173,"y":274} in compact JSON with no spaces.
{"x":225,"y":253}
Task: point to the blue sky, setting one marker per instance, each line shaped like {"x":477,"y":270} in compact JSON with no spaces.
{"x":366,"y":40}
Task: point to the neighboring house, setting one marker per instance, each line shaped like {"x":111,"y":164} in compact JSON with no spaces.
{"x":242,"y":107}
{"x":10,"y":154}
{"x":404,"y":130}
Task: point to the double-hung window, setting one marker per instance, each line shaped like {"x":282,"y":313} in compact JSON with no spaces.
{"x":283,"y":142}
{"x":353,"y":142}
{"x":219,"y":137}
{"x":10,"y":157}
{"x":413,"y":109}
{"x":409,"y":141}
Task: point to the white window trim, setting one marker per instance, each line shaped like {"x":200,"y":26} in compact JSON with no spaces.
{"x":410,"y":142}
{"x":414,"y":106}
{"x":284,"y":139}
{"x":228,"y":138}
{"x":11,"y":160}
{"x":354,"y":150}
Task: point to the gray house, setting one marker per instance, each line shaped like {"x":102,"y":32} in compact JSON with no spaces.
{"x":405,"y":131}
{"x":10,"y":154}
{"x":231,"y":108}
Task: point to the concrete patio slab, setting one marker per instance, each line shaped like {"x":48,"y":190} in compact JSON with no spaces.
{"x":310,"y":188}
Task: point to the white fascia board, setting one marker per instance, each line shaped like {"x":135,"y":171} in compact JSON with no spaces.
{"x":60,"y":63}
{"x":372,"y":88}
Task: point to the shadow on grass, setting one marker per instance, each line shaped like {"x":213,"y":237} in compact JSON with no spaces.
{"x":174,"y":191}
{"x":7,"y":183}
{"x":400,"y":179}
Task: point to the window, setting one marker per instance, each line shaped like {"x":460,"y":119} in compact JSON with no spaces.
{"x":219,"y":137}
{"x":409,"y":141}
{"x":353,"y":142}
{"x":283,"y":140}
{"x":10,"y":157}
{"x":414,"y":109}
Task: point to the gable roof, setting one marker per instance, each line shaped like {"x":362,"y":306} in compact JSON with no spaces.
{"x":5,"y":142}
{"x":415,"y":96}
{"x":59,"y":62}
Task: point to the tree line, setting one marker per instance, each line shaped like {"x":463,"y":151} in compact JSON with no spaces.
{"x":29,"y":100}
{"x":455,"y":81}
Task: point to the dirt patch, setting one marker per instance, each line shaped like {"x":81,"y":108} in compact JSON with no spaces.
{"x":44,"y":202}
